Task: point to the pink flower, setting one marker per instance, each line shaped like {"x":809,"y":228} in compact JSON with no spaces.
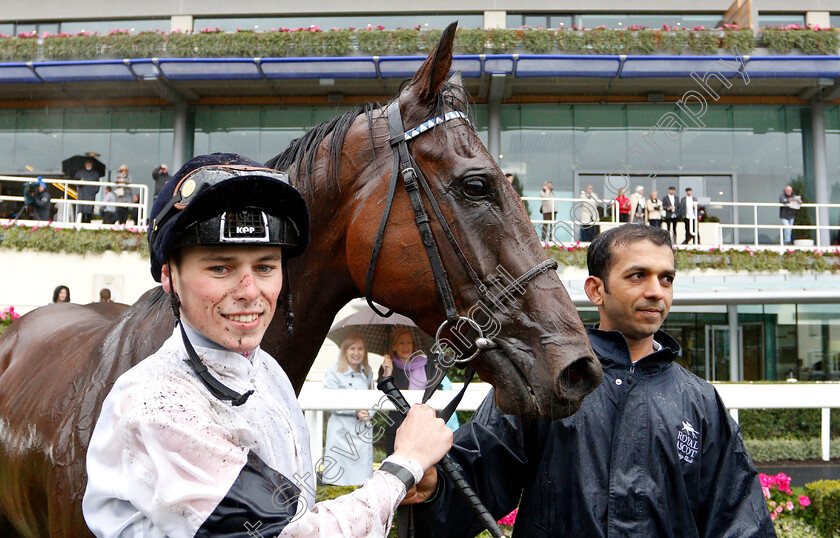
{"x":780,"y":509}
{"x":764,"y":479}
{"x":789,"y":506}
{"x":804,"y":501}
{"x":773,"y":516}
{"x":766,"y":491}
{"x":509,"y":519}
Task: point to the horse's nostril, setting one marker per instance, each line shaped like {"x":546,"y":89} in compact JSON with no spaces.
{"x":579,"y":378}
{"x":576,"y":372}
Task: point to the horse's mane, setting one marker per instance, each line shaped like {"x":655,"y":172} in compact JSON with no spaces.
{"x":301,"y":151}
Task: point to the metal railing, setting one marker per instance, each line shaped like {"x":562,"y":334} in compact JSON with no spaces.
{"x":315,"y":400}
{"x":750,"y":223}
{"x":67,"y":212}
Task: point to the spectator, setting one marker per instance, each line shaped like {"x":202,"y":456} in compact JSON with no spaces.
{"x":588,"y":215}
{"x":638,"y":206}
{"x":61,"y":294}
{"x":787,"y":213}
{"x":652,"y":452}
{"x":654,"y":210}
{"x":87,"y":192}
{"x":104,"y":295}
{"x":133,"y":212}
{"x":109,"y":212}
{"x":349,"y":439}
{"x":36,"y":197}
{"x":509,"y":178}
{"x":688,"y":213}
{"x":123,"y":193}
{"x":161,"y":176}
{"x":411,"y":370}
{"x":547,"y":209}
{"x":623,"y":206}
{"x":671,"y":205}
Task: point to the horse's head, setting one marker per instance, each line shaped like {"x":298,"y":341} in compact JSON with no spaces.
{"x":542,"y":363}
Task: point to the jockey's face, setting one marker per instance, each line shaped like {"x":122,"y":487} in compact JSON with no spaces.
{"x":228,"y":294}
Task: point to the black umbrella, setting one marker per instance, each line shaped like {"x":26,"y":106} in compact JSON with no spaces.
{"x":376,"y":330}
{"x":77,"y":162}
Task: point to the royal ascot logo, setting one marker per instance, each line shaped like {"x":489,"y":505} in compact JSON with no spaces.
{"x":688,"y":442}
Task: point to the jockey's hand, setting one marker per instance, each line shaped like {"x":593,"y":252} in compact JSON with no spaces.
{"x":423,"y":437}
{"x":424,"y":489}
{"x":363,"y":414}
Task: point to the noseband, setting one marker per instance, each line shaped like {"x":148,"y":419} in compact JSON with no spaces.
{"x":413,"y":179}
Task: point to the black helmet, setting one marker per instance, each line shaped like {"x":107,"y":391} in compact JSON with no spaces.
{"x":226,"y":199}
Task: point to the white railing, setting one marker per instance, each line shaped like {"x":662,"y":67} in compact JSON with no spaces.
{"x":315,"y":400}
{"x":68,"y":216}
{"x":575,"y":214}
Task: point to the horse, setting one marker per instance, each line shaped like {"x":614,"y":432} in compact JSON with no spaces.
{"x":57,"y":363}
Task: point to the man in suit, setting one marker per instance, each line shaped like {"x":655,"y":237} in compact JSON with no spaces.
{"x":688,"y":213}
{"x":671,"y":204}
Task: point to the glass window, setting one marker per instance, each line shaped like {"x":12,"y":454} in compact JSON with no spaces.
{"x":390,"y":22}
{"x":708,"y":148}
{"x":38,"y":141}
{"x":780,"y":19}
{"x":648,"y":20}
{"x":7,"y":29}
{"x":142,"y":139}
{"x":8,"y":122}
{"x":134,"y":26}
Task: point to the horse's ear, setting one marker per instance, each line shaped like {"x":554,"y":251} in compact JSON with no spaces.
{"x":432,"y":74}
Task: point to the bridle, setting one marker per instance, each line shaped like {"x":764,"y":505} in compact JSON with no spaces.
{"x":414,"y":180}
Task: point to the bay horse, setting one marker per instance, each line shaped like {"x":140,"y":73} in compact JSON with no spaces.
{"x":58,"y":362}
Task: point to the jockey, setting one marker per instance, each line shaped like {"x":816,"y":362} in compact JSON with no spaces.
{"x":205,"y":437}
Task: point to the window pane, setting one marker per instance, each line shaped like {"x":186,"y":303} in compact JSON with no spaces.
{"x":106,"y":27}
{"x":390,"y":22}
{"x":38,"y":141}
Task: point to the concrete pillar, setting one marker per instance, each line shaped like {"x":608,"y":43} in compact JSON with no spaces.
{"x":179,"y":136}
{"x":735,"y":373}
{"x":818,"y":18}
{"x":495,"y":19}
{"x":182,"y":23}
{"x":820,"y":169}
{"x":494,"y":115}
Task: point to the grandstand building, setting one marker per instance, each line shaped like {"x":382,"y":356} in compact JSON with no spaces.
{"x":734,"y":124}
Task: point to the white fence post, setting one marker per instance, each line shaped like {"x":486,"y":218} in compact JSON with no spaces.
{"x":825,"y":435}
{"x":315,"y":423}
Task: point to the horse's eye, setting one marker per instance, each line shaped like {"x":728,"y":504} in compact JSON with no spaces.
{"x":476,"y":187}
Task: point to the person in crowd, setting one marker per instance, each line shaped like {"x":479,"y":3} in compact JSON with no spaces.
{"x":61,"y":294}
{"x":671,"y":205}
{"x":205,"y":437}
{"x":548,"y":209}
{"x":349,"y":439}
{"x":36,"y":197}
{"x":509,"y":178}
{"x":104,"y":295}
{"x":688,"y":214}
{"x":134,"y":212}
{"x":161,"y":177}
{"x":123,"y":193}
{"x":588,"y":215}
{"x":411,"y":370}
{"x":638,"y":206}
{"x":624,"y":205}
{"x":109,"y":211}
{"x":787,"y":212}
{"x":87,"y":192}
{"x":654,"y":209}
{"x":651,"y":452}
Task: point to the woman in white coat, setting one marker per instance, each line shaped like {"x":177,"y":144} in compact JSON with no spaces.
{"x":348,"y":432}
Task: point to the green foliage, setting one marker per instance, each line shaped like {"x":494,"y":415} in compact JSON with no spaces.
{"x":306,"y":42}
{"x":803,"y":215}
{"x":502,"y":40}
{"x":605,"y":41}
{"x":785,"y":423}
{"x":406,"y":41}
{"x":816,"y":41}
{"x":825,"y":506}
{"x":675,"y":41}
{"x":471,"y":41}
{"x":48,"y":239}
{"x":76,"y":47}
{"x":326,"y":493}
{"x":742,"y":40}
{"x":242,"y":44}
{"x":373,"y":41}
{"x":428,"y":39}
{"x":571,"y":41}
{"x":640,"y":41}
{"x":142,"y":45}
{"x":520,"y":190}
{"x":777,"y":39}
{"x":770,"y":450}
{"x":703,"y":41}
{"x":274,"y":44}
{"x":181,"y":45}
{"x":18,"y":48}
{"x":539,"y":40}
{"x":794,"y":528}
{"x":337,"y":42}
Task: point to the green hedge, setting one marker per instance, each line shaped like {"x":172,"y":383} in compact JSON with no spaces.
{"x":212,"y":42}
{"x":770,"y":450}
{"x":824,"y":512}
{"x":785,"y":423}
{"x":48,"y":239}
